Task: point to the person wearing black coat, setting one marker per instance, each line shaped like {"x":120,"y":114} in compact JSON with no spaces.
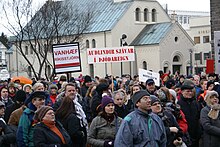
{"x":20,"y":97}
{"x":67,"y":115}
{"x":190,"y":108}
{"x":96,"y":100}
{"x":48,"y":132}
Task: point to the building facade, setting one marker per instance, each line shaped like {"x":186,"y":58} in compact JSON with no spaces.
{"x":167,"y":48}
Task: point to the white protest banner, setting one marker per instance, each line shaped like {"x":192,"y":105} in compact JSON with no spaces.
{"x":109,"y":55}
{"x":66,"y":58}
{"x":217,"y":51}
{"x":146,"y":74}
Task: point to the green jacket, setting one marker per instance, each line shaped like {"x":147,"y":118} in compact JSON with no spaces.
{"x":26,"y":129}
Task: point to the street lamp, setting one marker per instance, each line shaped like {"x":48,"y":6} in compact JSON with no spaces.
{"x":9,"y":51}
{"x":123,"y":43}
{"x":190,"y":60}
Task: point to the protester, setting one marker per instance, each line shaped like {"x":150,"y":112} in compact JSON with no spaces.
{"x":4,"y":96}
{"x":27,"y":89}
{"x":7,"y":136}
{"x":53,"y":91}
{"x":150,"y":86}
{"x":11,"y":90}
{"x":140,"y":127}
{"x":67,"y":115}
{"x":173,"y":132}
{"x":104,"y":127}
{"x":210,"y":120}
{"x":49,"y":132}
{"x":27,"y":123}
{"x":88,"y":102}
{"x":119,"y":101}
{"x":85,"y":86}
{"x":190,"y":108}
{"x":19,"y":99}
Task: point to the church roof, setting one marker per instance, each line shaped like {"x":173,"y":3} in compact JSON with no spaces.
{"x":152,"y":34}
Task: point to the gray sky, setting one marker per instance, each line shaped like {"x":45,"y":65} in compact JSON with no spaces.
{"x":189,"y":5}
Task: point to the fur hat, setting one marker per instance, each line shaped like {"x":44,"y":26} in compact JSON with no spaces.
{"x":27,"y":85}
{"x":106,"y":100}
{"x":39,"y":115}
{"x":208,"y":95}
{"x":138,"y":95}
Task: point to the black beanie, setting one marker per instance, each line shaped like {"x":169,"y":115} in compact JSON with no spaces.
{"x":20,"y":96}
{"x":154,"y":99}
{"x":138,"y":95}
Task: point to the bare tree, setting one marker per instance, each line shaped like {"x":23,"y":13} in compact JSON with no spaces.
{"x":55,"y":22}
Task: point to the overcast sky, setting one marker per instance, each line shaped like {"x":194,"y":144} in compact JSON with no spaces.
{"x":189,"y":5}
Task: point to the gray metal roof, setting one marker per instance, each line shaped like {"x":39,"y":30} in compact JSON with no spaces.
{"x":152,"y":34}
{"x":106,"y":13}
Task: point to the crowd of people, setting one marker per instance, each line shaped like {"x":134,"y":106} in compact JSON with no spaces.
{"x":111,"y":112}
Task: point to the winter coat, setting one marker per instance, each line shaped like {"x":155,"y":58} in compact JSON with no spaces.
{"x":211,"y":127}
{"x":121,"y":111}
{"x":192,"y":113}
{"x":15,"y":116}
{"x":45,"y":137}
{"x":25,"y":130}
{"x":139,"y":129}
{"x":10,"y":109}
{"x":77,"y":133}
{"x":100,"y":131}
{"x":8,"y":139}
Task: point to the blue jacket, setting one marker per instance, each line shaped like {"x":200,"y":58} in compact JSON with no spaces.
{"x":139,"y":129}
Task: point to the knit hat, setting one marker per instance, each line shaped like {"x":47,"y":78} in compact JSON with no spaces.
{"x":27,"y":85}
{"x":138,"y":95}
{"x":20,"y":96}
{"x":170,"y":83}
{"x":87,"y":79}
{"x":63,"y":78}
{"x":39,"y":114}
{"x":53,"y":86}
{"x":106,"y":100}
{"x":209,"y":83}
{"x":154,"y":99}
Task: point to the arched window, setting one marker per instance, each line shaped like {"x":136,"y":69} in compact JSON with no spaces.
{"x":154,"y":15}
{"x":91,"y":70}
{"x":176,"y":59}
{"x":87,"y":43}
{"x":29,"y":71}
{"x":48,"y":70}
{"x":93,"y":43}
{"x":145,"y":65}
{"x":137,"y":14}
{"x":145,"y":14}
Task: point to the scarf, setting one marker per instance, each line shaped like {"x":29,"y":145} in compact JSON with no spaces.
{"x":80,"y":114}
{"x":51,"y":125}
{"x":214,"y":112}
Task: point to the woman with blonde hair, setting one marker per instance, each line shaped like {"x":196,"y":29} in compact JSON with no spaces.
{"x":210,"y":120}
